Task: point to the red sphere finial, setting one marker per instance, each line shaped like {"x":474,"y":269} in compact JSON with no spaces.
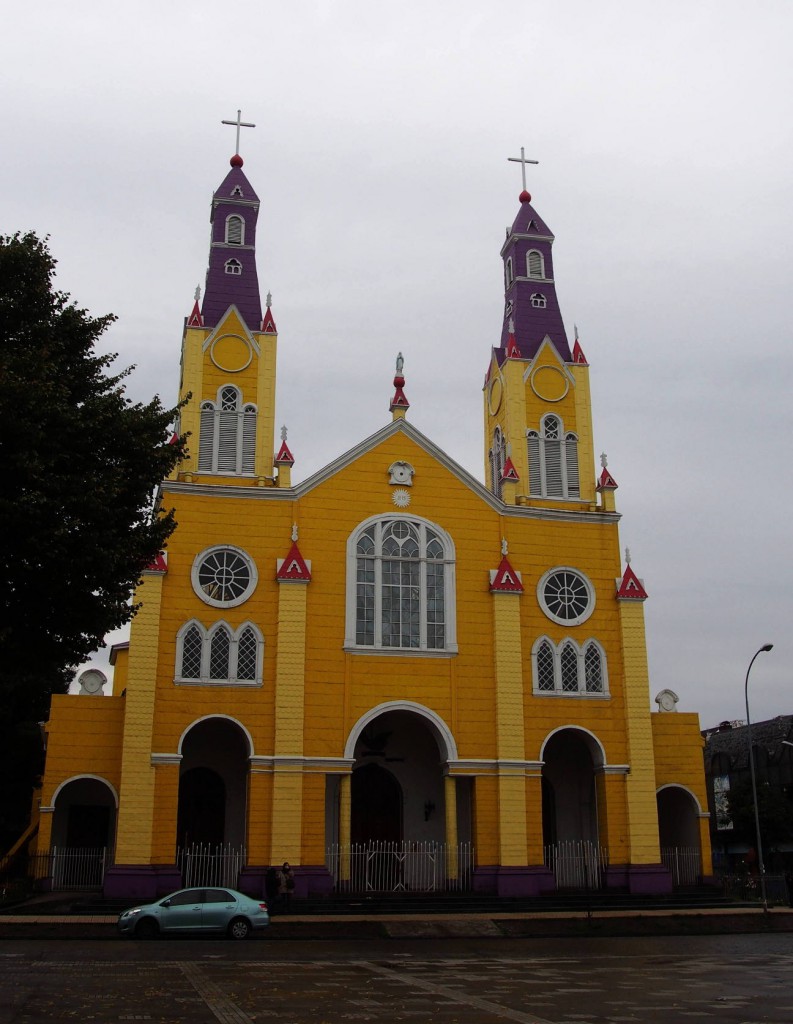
{"x":236,"y":160}
{"x":524,"y":197}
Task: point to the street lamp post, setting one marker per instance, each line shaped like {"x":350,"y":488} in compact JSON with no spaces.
{"x":760,"y":865}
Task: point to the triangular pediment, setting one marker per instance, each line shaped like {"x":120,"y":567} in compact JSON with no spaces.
{"x":232,"y":323}
{"x":548,"y":355}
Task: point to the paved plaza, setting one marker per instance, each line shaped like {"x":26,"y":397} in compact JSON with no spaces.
{"x":741,"y":978}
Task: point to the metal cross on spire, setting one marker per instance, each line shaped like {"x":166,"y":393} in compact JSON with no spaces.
{"x":239,"y":123}
{"x":522,"y":161}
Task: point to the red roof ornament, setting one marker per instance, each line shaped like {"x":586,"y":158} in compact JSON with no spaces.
{"x":268,"y":323}
{"x":578,"y":354}
{"x":284,"y":456}
{"x":293,"y":569}
{"x":399,"y":401}
{"x":174,"y":438}
{"x":512,"y":350}
{"x":159,"y":563}
{"x":630,"y":587}
{"x":505,"y":579}
{"x":195,"y":319}
{"x":509,"y":472}
{"x":606,"y":481}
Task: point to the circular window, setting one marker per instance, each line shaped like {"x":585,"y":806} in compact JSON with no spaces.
{"x":224,"y":576}
{"x":566,"y":596}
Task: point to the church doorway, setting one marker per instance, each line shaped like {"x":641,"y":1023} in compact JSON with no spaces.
{"x":83,"y":833}
{"x":569,"y":809}
{"x":678,"y":829}
{"x":213,"y":780}
{"x":376,"y":806}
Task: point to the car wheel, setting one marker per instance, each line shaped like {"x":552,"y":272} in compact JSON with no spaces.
{"x":147,"y":929}
{"x":239,"y":928}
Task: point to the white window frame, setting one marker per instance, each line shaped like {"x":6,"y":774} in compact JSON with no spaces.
{"x":540,"y":461}
{"x":233,"y":266}
{"x":535,"y":277}
{"x":229,"y":219}
{"x":539,"y":301}
{"x":206,"y":643}
{"x":214,"y":602}
{"x":578,"y":620}
{"x":449,"y":592}
{"x":498,"y":459}
{"x":580,"y":650}
{"x":215,"y":421}
{"x":509,"y":272}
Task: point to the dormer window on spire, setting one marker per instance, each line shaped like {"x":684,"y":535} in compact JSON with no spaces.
{"x":233,"y":267}
{"x":539,"y":301}
{"x":237,"y":191}
{"x":235,"y":230}
{"x":535,"y":264}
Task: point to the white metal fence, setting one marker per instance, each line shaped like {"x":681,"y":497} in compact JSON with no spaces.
{"x":69,"y":867}
{"x":577,"y":864}
{"x":206,"y":864}
{"x":684,"y":863}
{"x":401,"y":867}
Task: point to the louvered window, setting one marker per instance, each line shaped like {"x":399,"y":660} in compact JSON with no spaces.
{"x":509,"y":273}
{"x":402,"y":587}
{"x":235,"y":231}
{"x":553,"y":461}
{"x":219,"y":651}
{"x":233,"y":267}
{"x":539,"y":301}
{"x":535,"y":264}
{"x":228,"y":435}
{"x":498,"y":458}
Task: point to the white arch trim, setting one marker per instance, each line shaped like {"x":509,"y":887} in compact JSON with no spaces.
{"x":226,"y":718}
{"x":441,"y":730}
{"x":677,"y":785}
{"x":577,"y":728}
{"x":76,"y":778}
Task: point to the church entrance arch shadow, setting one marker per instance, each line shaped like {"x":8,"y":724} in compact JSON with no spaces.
{"x":83,"y":833}
{"x":569,"y":809}
{"x":678,"y":829}
{"x":213,"y":781}
{"x":397,"y":828}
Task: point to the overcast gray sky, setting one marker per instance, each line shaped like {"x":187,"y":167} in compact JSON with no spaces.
{"x":663,"y":133}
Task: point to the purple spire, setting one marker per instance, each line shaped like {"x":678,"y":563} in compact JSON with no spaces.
{"x":231,"y":277}
{"x":529,"y":289}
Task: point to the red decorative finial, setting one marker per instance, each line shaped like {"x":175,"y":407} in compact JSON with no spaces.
{"x":525,"y":197}
{"x":236,"y":160}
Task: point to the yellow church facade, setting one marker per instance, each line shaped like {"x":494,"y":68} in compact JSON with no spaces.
{"x":390,"y":674}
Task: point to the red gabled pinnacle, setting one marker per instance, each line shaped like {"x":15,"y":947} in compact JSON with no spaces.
{"x":506,"y":580}
{"x":174,"y":438}
{"x":630,"y":587}
{"x":293,"y":568}
{"x":399,"y":401}
{"x":606,"y":481}
{"x":509,"y":472}
{"x":195,"y":319}
{"x":284,"y":456}
{"x":578,"y":354}
{"x":159,"y":563}
{"x":268,"y":323}
{"x":512,"y":351}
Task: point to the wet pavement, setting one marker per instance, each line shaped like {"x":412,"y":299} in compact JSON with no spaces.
{"x":745,"y":979}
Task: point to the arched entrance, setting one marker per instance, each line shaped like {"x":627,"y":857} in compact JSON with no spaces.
{"x":83,"y":832}
{"x":213,"y":778}
{"x":569,"y":808}
{"x":678,"y":828}
{"x":376,"y":806}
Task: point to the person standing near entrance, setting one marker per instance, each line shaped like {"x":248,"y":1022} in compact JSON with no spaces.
{"x":286,"y":885}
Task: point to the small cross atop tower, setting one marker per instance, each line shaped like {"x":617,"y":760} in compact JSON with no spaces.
{"x":239,"y":123}
{"x":522,"y":161}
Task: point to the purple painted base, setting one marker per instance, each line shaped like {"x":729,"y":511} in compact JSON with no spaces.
{"x":141,"y":881}
{"x":652,"y":879}
{"x":251,"y":881}
{"x":532,"y":880}
{"x":312,"y":880}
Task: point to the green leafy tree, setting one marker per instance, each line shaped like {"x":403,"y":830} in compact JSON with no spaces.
{"x":79,"y":464}
{"x":775,"y":812}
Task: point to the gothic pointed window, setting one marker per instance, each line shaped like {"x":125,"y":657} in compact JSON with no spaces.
{"x":538,"y":301}
{"x":235,"y":230}
{"x":400,"y":587}
{"x":219,"y":655}
{"x":568,"y":666}
{"x":233,"y":267}
{"x":593,"y":668}
{"x":219,"y":650}
{"x":498,"y":458}
{"x":567,"y":670}
{"x":553,"y":460}
{"x":192,"y":648}
{"x":545,"y":667}
{"x":227,"y":442}
{"x":535,"y":264}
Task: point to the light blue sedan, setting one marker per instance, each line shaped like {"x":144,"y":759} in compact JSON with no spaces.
{"x":224,"y":911}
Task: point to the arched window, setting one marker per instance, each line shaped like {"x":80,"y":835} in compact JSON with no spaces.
{"x":219,"y":655}
{"x":498,"y":458}
{"x":227,"y":442}
{"x":568,"y":670}
{"x":233,"y":267}
{"x":553,"y":460}
{"x":509,"y":272}
{"x":539,"y":301}
{"x":400,"y":587}
{"x":535,"y":264}
{"x":235,"y":230}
